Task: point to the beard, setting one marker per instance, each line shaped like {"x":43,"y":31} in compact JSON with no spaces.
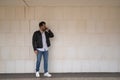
{"x":44,"y":29}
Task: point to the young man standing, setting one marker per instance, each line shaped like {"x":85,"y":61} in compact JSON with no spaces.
{"x":41,"y":42}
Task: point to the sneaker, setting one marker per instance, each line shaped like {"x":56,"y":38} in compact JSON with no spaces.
{"x":37,"y":74}
{"x":47,"y":74}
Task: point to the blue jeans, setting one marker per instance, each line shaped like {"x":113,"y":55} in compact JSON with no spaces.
{"x":39,"y":56}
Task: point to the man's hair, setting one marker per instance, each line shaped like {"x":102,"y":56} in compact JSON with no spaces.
{"x":42,"y":23}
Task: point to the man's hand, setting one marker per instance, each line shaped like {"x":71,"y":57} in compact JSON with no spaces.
{"x":36,"y":52}
{"x":47,"y":29}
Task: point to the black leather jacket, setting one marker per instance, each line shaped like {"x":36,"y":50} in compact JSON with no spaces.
{"x":37,"y":39}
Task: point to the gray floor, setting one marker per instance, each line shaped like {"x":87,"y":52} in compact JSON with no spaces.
{"x":63,"y":76}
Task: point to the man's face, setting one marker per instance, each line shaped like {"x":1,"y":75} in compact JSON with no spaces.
{"x":43,"y":28}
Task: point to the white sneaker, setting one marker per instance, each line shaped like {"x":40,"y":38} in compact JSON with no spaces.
{"x":47,"y":74}
{"x":37,"y":74}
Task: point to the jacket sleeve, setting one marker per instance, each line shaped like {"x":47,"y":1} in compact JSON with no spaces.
{"x":34,"y":41}
{"x":50,"y":33}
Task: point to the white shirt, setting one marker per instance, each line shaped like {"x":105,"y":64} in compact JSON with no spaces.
{"x":45,"y":48}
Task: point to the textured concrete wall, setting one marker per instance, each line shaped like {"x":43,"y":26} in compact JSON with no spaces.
{"x":87,"y":38}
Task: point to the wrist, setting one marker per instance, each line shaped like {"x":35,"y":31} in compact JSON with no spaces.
{"x":47,"y":30}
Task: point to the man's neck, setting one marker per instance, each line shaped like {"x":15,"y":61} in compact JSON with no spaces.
{"x":41,"y":31}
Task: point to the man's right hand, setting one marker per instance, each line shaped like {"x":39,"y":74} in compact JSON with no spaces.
{"x":36,"y":52}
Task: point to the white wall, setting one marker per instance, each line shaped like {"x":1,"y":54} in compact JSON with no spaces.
{"x":87,"y":38}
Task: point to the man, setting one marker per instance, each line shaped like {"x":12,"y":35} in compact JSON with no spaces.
{"x":41,"y":42}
